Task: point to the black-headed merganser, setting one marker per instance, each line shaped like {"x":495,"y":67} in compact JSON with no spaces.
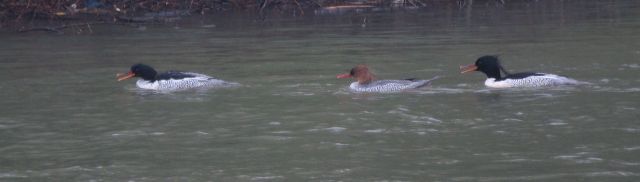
{"x":366,"y":82}
{"x":490,"y":65}
{"x":170,"y":80}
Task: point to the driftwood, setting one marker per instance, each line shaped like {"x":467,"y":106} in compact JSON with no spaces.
{"x":58,"y":29}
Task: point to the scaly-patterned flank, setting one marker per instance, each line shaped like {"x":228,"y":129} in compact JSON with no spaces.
{"x":536,"y":80}
{"x":194,"y":81}
{"x":389,"y":86}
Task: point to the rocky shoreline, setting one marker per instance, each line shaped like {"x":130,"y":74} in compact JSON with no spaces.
{"x":78,"y":16}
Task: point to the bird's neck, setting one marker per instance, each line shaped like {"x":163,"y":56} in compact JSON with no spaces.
{"x":366,"y":79}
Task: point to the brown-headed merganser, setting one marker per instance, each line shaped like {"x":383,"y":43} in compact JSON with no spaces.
{"x":366,"y":82}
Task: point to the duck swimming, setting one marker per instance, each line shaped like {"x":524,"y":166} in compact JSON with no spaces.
{"x":170,"y":80}
{"x":366,"y":82}
{"x":490,"y":66}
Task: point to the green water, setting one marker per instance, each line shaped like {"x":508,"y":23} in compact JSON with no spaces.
{"x":64,"y":117}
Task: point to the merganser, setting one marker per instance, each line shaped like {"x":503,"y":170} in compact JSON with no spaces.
{"x":490,"y":65}
{"x":366,"y":82}
{"x":170,"y":80}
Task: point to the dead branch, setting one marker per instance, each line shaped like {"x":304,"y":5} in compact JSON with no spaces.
{"x":59,"y":29}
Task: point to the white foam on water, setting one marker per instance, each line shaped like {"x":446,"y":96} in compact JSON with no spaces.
{"x":263,"y":178}
{"x":612,"y":173}
{"x":76,"y":168}
{"x":374,"y":131}
{"x":631,"y":130}
{"x":427,"y":120}
{"x":566,"y":157}
{"x":627,"y":163}
{"x":485,"y":91}
{"x":274,"y":138}
{"x":512,"y":120}
{"x":136,"y":133}
{"x":633,"y":90}
{"x":209,"y":26}
{"x":367,"y":112}
{"x":403,"y":108}
{"x":432,"y":119}
{"x":281,"y":132}
{"x":558,"y":123}
{"x":342,"y":171}
{"x":583,"y":118}
{"x":629,"y":108}
{"x":544,"y":95}
{"x":11,"y":175}
{"x":616,"y":90}
{"x":295,"y":94}
{"x":431,"y":130}
{"x":442,"y":91}
{"x":418,"y":121}
{"x":448,"y":161}
{"x":517,"y":160}
{"x":633,"y":66}
{"x":130,"y":133}
{"x":589,"y":160}
{"x":402,"y":112}
{"x":334,"y":129}
{"x":632,"y":148}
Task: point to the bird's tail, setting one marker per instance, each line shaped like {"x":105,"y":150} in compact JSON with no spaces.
{"x":428,"y":82}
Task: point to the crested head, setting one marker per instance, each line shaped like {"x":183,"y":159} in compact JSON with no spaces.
{"x":362,"y":74}
{"x":144,"y":71}
{"x":488,"y":59}
{"x":489,"y":65}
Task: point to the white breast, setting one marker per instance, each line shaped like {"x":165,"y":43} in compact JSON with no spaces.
{"x":147,"y":84}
